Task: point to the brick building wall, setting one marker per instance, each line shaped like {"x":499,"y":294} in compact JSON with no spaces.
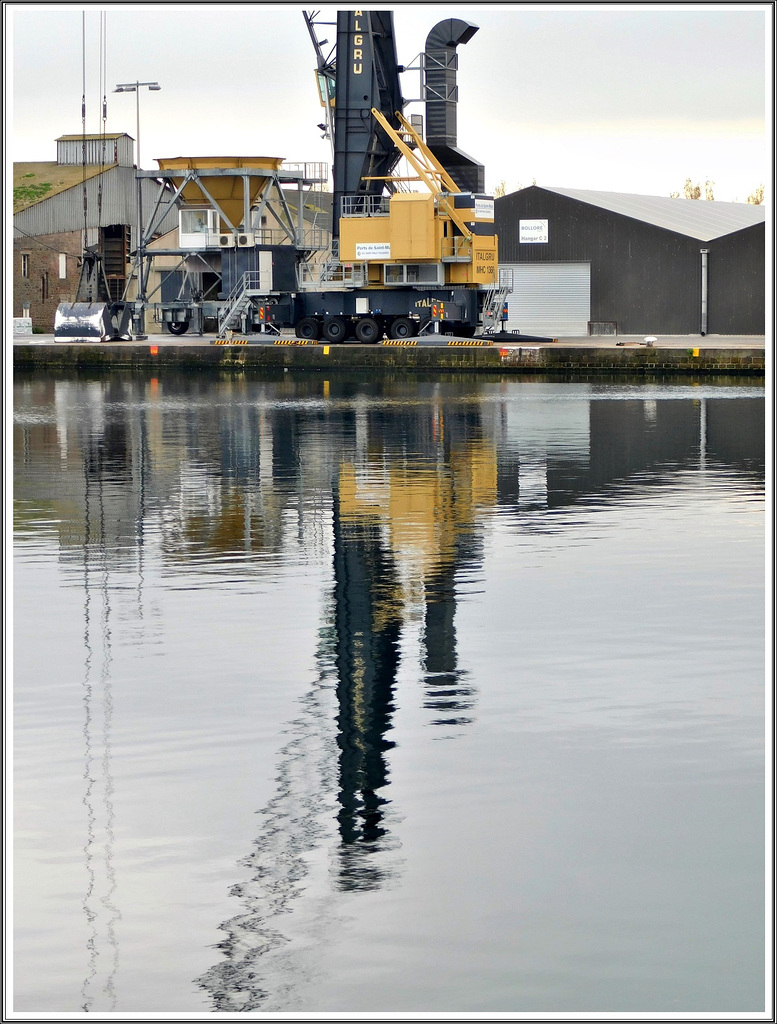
{"x":36,"y":275}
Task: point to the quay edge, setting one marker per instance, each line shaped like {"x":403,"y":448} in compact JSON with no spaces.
{"x":680,"y":356}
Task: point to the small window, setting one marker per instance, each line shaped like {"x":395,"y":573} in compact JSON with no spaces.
{"x":62,"y":266}
{"x":413,"y":273}
{"x":25,"y":264}
{"x":44,"y":287}
{"x":196,"y":226}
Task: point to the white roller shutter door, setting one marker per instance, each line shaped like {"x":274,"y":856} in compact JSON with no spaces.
{"x":550,"y":299}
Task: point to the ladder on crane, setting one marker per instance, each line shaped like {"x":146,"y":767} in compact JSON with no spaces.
{"x":238,"y":302}
{"x":495,"y":299}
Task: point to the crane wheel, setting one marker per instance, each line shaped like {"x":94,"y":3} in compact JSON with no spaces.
{"x":335,"y":329}
{"x":308,"y":328}
{"x":368,"y":330}
{"x":178,"y":327}
{"x":403,"y":327}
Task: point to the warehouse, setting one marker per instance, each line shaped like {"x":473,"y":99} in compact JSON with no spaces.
{"x":90,"y":190}
{"x":595,"y":263}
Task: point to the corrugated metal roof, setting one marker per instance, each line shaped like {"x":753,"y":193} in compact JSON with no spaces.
{"x":696,"y":218}
{"x":38,"y":175}
{"x":93,"y":138}
{"x":63,"y":209}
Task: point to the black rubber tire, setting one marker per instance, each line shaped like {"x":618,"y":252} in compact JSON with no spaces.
{"x":403,"y":327}
{"x":335,"y":329}
{"x":178,"y":327}
{"x":308,"y":328}
{"x":368,"y":331}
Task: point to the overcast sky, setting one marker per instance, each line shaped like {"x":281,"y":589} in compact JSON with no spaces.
{"x":625,"y":98}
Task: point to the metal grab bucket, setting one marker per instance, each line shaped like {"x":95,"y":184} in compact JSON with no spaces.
{"x":87,"y":322}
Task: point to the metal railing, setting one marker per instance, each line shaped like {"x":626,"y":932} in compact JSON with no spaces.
{"x":238,"y":300}
{"x":330,"y":272}
{"x":313,"y":171}
{"x":364,"y":206}
{"x":311,"y":238}
{"x":344,"y":275}
{"x":495,"y":297}
{"x":457,"y":249}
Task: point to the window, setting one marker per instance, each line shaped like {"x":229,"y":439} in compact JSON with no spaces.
{"x":413,"y":273}
{"x":25,"y":264}
{"x":44,"y":287}
{"x":195,"y":225}
{"x":62,"y":266}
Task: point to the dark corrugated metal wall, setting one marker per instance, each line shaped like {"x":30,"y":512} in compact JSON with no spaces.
{"x":737,"y":294}
{"x":646,"y":279}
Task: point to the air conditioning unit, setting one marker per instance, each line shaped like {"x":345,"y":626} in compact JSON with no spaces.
{"x":227,"y":240}
{"x":246,"y":239}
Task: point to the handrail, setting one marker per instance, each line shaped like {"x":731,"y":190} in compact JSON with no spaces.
{"x":364,"y":206}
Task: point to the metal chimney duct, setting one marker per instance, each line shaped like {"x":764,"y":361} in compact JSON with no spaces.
{"x":441,"y":95}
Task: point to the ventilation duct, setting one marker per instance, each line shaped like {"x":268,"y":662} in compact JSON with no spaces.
{"x":441,"y":96}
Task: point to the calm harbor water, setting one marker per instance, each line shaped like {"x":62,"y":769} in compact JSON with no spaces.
{"x":388,"y":696}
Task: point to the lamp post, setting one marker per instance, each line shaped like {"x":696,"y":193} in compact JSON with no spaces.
{"x":139,"y":318}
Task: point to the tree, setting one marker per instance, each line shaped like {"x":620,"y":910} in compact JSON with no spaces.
{"x":501,"y":188}
{"x":691,"y":191}
{"x":757,"y":197}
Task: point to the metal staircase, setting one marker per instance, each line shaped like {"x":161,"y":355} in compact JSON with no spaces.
{"x":239,"y":301}
{"x":495,"y":300}
{"x":331,"y":273}
{"x":331,"y":266}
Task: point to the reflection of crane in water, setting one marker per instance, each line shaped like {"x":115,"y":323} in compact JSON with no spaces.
{"x":398,"y":527}
{"x":325,"y":829}
{"x":100,"y":911}
{"x":367,"y":627}
{"x":428,"y":509}
{"x":111,"y":453}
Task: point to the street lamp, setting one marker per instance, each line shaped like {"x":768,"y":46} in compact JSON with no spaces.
{"x":136,"y":87}
{"x":141,"y":298}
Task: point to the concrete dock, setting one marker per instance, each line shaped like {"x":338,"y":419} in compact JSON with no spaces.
{"x":688,"y":354}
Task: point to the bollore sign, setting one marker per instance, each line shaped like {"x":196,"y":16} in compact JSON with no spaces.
{"x":532,"y":231}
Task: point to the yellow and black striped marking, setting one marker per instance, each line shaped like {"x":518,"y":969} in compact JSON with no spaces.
{"x":231,"y":341}
{"x":396,"y":342}
{"x":456,"y":343}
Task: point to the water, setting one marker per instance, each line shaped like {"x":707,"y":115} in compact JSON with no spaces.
{"x":424,"y":696}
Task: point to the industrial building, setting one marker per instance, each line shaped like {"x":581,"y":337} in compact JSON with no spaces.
{"x":92,"y":187}
{"x":598,"y":263}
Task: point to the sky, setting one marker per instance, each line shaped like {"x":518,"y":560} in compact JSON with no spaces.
{"x":624,"y":98}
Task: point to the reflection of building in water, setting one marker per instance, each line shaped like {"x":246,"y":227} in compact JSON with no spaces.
{"x":389,"y":481}
{"x":247,"y":467}
{"x":558,"y":451}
